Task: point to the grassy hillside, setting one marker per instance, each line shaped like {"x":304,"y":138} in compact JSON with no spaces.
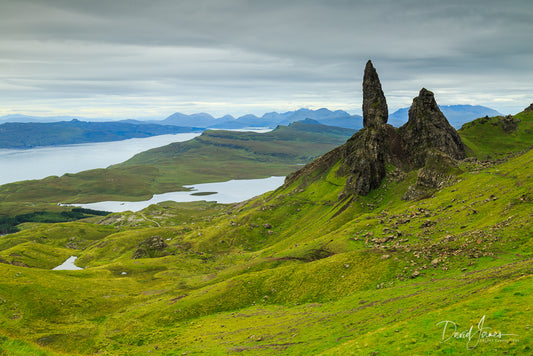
{"x":493,"y":137}
{"x":213,"y":156}
{"x":296,"y":271}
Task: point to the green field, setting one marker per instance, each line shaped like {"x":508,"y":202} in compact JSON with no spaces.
{"x":303,"y":270}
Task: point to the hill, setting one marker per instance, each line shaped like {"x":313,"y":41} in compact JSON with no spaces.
{"x":495,"y":137}
{"x":197,"y":120}
{"x":340,"y":260}
{"x":28,"y":135}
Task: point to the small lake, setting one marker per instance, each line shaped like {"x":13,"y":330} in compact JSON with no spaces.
{"x":232,"y":191}
{"x":68,"y":265}
{"x":41,"y":162}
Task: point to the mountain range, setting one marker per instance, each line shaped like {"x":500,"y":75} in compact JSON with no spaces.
{"x":269,"y":120}
{"x":457,"y":115}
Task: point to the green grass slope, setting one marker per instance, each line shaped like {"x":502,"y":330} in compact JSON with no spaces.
{"x":295,"y":271}
{"x":498,"y":136}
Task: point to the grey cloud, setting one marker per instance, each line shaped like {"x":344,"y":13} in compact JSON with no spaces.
{"x":263,"y":51}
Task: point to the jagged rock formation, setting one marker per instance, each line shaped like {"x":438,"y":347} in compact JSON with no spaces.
{"x":428,"y":129}
{"x":375,"y":110}
{"x":529,"y":108}
{"x":369,"y":150}
{"x":426,"y":142}
{"x":366,"y":155}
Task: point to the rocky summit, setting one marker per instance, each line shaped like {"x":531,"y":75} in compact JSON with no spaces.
{"x":426,"y":142}
{"x":428,"y":129}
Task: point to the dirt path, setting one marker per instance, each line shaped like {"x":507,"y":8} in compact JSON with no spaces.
{"x":145,"y":218}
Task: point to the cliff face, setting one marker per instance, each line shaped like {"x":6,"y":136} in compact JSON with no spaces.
{"x":426,"y":142}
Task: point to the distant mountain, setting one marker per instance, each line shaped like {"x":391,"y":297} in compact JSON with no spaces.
{"x":270,"y":120}
{"x":28,"y":135}
{"x":246,"y":121}
{"x":27,"y":118}
{"x":457,"y":115}
{"x":44,"y":119}
{"x":194,"y":120}
{"x":338,"y":118}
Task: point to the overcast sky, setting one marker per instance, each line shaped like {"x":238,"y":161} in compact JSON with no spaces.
{"x":136,"y":58}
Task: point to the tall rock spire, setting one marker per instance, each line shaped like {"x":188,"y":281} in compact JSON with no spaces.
{"x":368,"y":151}
{"x":375,"y":111}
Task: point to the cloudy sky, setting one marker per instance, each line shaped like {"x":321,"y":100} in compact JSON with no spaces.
{"x":150,"y":58}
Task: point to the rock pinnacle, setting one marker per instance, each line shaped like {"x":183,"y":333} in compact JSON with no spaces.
{"x":375,"y":111}
{"x":428,"y":128}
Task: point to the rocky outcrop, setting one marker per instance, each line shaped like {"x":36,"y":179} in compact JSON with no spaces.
{"x":375,"y":110}
{"x":152,"y":247}
{"x":426,"y":142}
{"x":366,"y":155}
{"x":529,"y":108}
{"x":508,"y":123}
{"x":428,"y":129}
{"x":439,"y":171}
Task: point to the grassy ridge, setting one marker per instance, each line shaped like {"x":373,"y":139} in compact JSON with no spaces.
{"x":8,"y":225}
{"x":498,"y":136}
